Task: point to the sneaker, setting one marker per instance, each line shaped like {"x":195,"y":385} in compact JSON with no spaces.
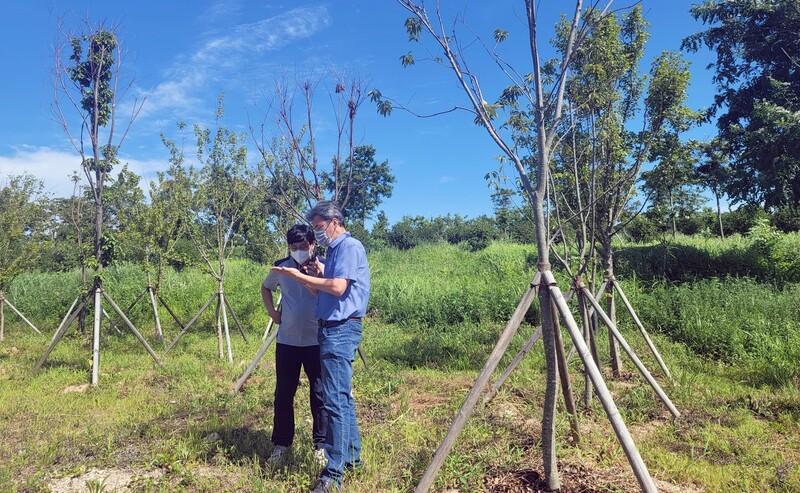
{"x":278,"y":453}
{"x":323,"y":486}
{"x":319,"y":456}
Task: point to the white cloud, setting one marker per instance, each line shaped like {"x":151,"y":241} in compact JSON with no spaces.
{"x":237,"y":57}
{"x":55,"y":167}
{"x":447,"y":179}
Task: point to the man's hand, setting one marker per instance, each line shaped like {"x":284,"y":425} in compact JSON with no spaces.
{"x":315,"y":268}
{"x":289,"y":272}
{"x":275,"y":315}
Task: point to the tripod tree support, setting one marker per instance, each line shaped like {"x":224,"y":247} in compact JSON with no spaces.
{"x":642,"y":369}
{"x":623,"y":435}
{"x":98,"y":294}
{"x":189,"y":324}
{"x":4,"y":301}
{"x":220,"y":320}
{"x":480,"y":384}
{"x":641,"y":328}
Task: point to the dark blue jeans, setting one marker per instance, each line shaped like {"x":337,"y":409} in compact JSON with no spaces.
{"x":337,"y":349}
{"x":288,"y":361}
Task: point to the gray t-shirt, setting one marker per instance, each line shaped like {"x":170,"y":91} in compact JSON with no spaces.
{"x":298,"y":324}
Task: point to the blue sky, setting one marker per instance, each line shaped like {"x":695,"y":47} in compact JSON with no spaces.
{"x":183,"y":54}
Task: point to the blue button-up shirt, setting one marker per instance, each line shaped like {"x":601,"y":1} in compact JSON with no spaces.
{"x":345,"y":259}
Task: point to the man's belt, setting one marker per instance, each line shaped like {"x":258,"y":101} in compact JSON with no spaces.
{"x":335,"y":323}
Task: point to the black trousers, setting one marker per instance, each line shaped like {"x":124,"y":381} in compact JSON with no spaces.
{"x":288,"y":361}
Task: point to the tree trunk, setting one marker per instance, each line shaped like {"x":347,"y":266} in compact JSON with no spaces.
{"x":549,"y":412}
{"x":719,"y":216}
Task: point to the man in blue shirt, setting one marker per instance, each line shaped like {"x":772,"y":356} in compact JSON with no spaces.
{"x":296,"y":345}
{"x":341,"y":303}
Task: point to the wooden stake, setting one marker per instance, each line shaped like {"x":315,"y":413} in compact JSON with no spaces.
{"x":480,"y":384}
{"x":613,"y":350}
{"x":159,"y":334}
{"x":98,"y":312}
{"x":642,"y":369}
{"x":218,"y":326}
{"x":169,"y":310}
{"x":563,"y":375}
{"x":185,"y":329}
{"x":225,"y":321}
{"x":623,"y":435}
{"x":641,"y":328}
{"x":235,"y":318}
{"x":588,"y":338}
{"x":514,"y":363}
{"x":133,"y":328}
{"x":254,"y":363}
{"x":68,"y":319}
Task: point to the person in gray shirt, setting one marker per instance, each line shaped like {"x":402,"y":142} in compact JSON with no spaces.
{"x":296,"y":344}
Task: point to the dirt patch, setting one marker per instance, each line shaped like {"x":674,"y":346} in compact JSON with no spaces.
{"x":574,"y":478}
{"x":118,"y":480}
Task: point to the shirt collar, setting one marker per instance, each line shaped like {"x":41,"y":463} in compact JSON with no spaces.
{"x":339,"y":239}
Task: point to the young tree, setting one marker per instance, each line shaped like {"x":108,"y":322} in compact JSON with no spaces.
{"x":542,"y":91}
{"x":291,"y":160}
{"x":22,"y":223}
{"x":671,"y":184}
{"x":370,"y":182}
{"x":222,"y":199}
{"x":758,"y":99}
{"x":712,"y":171}
{"x":88,"y":81}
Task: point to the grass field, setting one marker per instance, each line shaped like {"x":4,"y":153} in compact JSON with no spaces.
{"x":436,"y":314}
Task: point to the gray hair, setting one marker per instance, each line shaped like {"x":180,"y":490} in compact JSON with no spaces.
{"x":327,"y":210}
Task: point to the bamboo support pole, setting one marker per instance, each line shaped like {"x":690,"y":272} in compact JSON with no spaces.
{"x":642,"y":369}
{"x":623,"y":435}
{"x":588,"y":337}
{"x":98,"y":313}
{"x":20,"y":315}
{"x":513,"y":365}
{"x":133,"y":328}
{"x":2,"y":320}
{"x":138,"y":297}
{"x":240,"y":382}
{"x":222,"y":304}
{"x":169,"y":310}
{"x":185,"y":329}
{"x":613,"y":350}
{"x":641,"y":328}
{"x":235,"y":318}
{"x":218,"y":327}
{"x":159,"y":333}
{"x":480,"y":384}
{"x":68,"y":319}
{"x":563,"y":375}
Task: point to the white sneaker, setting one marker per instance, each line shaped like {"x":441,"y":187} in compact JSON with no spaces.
{"x":278,"y":453}
{"x":319,"y":456}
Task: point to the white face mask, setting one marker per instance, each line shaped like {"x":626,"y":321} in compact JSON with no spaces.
{"x":300,"y":256}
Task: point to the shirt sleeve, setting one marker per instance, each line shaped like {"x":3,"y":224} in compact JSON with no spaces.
{"x":348,"y":260}
{"x":272,"y":281}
